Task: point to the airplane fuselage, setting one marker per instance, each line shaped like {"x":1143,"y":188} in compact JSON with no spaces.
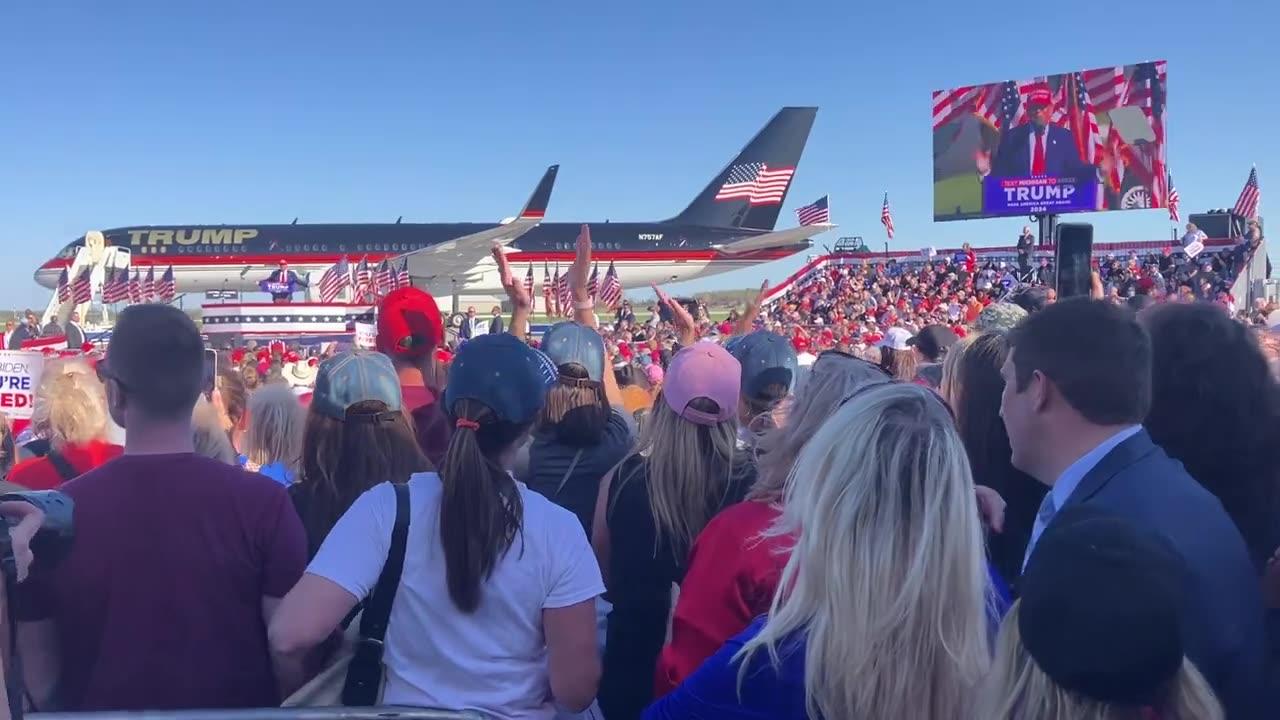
{"x":237,"y":257}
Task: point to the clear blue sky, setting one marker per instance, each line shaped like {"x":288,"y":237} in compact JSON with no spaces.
{"x":122,"y":113}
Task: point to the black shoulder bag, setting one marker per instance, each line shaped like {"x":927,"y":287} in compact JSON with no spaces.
{"x":366,"y":673}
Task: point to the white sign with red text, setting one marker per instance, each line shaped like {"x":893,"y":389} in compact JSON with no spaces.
{"x":19,"y":377}
{"x":366,"y":336}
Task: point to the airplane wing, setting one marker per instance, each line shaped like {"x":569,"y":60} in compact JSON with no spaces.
{"x":780,"y":238}
{"x":437,"y":266}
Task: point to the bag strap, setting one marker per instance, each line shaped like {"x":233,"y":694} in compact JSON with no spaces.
{"x":62,"y":465}
{"x":377,"y":612}
{"x":576,"y":457}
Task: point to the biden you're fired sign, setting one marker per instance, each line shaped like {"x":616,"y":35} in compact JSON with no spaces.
{"x":19,"y":377}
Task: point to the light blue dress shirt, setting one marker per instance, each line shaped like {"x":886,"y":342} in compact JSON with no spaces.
{"x":1069,"y":480}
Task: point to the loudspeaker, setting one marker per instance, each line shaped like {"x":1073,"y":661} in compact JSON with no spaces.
{"x":1073,"y":255}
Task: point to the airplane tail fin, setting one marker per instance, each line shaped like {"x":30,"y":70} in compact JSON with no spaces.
{"x":750,"y":190}
{"x":536,"y":208}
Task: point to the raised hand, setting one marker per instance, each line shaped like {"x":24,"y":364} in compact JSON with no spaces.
{"x":580,"y":271}
{"x":515,"y":289}
{"x":686,"y":329}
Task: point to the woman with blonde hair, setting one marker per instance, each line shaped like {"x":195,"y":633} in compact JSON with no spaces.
{"x":734,"y":566}
{"x":881,"y":610}
{"x":70,"y":413}
{"x":272,"y":443}
{"x":1096,"y":634}
{"x":686,"y":467}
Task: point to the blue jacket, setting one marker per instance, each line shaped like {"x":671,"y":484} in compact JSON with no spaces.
{"x":768,"y":693}
{"x":1223,"y":615}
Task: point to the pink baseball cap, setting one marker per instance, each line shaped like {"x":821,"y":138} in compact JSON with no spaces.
{"x":707,"y":370}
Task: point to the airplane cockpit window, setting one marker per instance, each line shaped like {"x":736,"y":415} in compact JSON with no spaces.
{"x":69,"y":251}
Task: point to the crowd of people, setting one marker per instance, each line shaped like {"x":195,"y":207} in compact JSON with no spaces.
{"x":900,"y":492}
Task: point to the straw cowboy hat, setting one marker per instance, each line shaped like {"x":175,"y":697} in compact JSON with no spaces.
{"x":300,"y":374}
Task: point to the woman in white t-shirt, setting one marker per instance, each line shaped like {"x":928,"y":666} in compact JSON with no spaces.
{"x":495,"y":611}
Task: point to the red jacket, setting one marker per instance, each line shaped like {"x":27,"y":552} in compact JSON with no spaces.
{"x":40,"y":474}
{"x":731,"y":579}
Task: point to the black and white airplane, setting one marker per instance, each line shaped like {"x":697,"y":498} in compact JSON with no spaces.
{"x":729,"y":225}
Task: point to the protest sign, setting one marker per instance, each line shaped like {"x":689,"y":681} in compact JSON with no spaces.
{"x":19,"y":377}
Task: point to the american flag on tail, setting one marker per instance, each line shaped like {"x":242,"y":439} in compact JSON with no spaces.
{"x":336,"y":279}
{"x":756,"y":183}
{"x":886,"y":217}
{"x":167,"y":287}
{"x":1250,"y":197}
{"x":363,"y":281}
{"x":594,"y":284}
{"x":1174,"y":201}
{"x":814,"y":213}
{"x":82,"y":289}
{"x":611,"y":288}
{"x":528,"y":283}
{"x":402,"y":275}
{"x":64,"y":287}
{"x":135,"y":287}
{"x":548,"y":289}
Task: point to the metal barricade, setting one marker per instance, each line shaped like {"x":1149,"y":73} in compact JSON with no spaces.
{"x":388,"y":712}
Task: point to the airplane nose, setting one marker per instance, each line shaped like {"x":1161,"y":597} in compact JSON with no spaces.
{"x":47,"y":277}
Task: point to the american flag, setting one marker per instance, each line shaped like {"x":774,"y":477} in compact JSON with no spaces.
{"x":548,"y":290}
{"x":64,"y":287}
{"x":363,"y":282}
{"x":886,"y":217}
{"x":1003,"y":105}
{"x":564,"y":293}
{"x":135,"y":287}
{"x":81,"y":289}
{"x":402,"y":275}
{"x":951,"y":104}
{"x":336,"y":279}
{"x":116,"y":287}
{"x":1146,"y":90}
{"x":528,"y":283}
{"x":1173,"y":202}
{"x":1106,"y":87}
{"x":611,"y":289}
{"x":814,"y":213}
{"x":555,"y":290}
{"x":383,"y":279}
{"x":594,"y":283}
{"x":167,"y":287}
{"x":149,"y":285}
{"x":756,"y":183}
{"x":1082,"y":121}
{"x":1250,"y":197}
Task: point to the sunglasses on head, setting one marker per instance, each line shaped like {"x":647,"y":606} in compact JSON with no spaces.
{"x":895,"y":381}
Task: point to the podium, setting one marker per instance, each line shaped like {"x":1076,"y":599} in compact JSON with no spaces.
{"x":284,"y":320}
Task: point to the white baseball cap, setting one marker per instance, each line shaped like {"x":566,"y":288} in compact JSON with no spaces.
{"x":895,"y":338}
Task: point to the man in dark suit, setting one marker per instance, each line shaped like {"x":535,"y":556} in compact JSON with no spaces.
{"x":287,"y":278}
{"x":495,"y":324}
{"x":28,"y":330}
{"x":1077,"y":388}
{"x":471,"y":325}
{"x":75,"y":333}
{"x":1036,"y":147}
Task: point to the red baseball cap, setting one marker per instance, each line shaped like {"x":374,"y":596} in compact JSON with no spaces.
{"x":1040,"y":96}
{"x":409,"y":323}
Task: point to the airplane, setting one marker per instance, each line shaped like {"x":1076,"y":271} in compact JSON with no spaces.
{"x":728,"y":225}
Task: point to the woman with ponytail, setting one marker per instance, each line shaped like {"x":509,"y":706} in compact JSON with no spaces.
{"x":495,"y":609}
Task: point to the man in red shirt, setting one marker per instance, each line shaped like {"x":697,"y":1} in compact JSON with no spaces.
{"x":179,"y":560}
{"x":409,"y":331}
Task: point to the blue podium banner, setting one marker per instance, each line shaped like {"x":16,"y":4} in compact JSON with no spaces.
{"x":1038,"y":195}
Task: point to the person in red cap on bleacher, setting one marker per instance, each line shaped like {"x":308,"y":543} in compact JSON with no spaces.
{"x":409,"y":331}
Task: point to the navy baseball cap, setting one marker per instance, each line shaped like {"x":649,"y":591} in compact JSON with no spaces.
{"x":502,"y":373}
{"x":355,"y":376}
{"x":571,"y":343}
{"x":766,"y":358}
